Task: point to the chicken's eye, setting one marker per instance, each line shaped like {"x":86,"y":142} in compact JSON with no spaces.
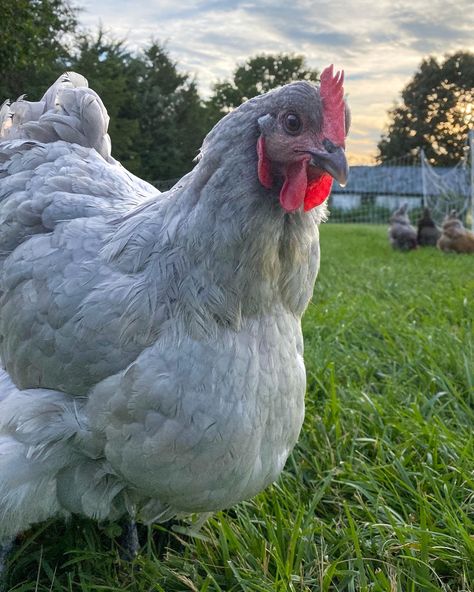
{"x":292,"y":123}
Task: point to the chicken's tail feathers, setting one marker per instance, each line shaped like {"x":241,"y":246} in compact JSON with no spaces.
{"x":5,"y":118}
{"x":400,"y":215}
{"x":50,"y":464}
{"x":68,"y":111}
{"x":25,"y":498}
{"x":66,"y":80}
{"x":27,"y":484}
{"x":403,"y":208}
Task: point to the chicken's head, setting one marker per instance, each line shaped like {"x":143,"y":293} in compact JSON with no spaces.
{"x":301,"y":142}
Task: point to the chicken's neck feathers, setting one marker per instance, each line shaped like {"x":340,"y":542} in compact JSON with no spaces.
{"x":220,"y":241}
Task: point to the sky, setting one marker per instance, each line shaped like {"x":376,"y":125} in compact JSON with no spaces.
{"x":379,"y":43}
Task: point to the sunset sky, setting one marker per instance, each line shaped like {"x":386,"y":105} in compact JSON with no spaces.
{"x":380,"y":43}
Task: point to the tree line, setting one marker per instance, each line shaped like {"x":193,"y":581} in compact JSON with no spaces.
{"x":157,"y":116}
{"x":436,"y":113}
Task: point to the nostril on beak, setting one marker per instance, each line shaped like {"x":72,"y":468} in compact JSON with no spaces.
{"x":329,"y":146}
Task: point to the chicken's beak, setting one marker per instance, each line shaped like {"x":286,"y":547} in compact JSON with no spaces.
{"x":333,"y":161}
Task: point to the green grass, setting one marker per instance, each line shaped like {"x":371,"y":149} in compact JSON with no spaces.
{"x":379,"y":493}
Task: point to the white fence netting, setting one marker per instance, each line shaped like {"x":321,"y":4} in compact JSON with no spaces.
{"x":373,"y":192}
{"x":446,"y":190}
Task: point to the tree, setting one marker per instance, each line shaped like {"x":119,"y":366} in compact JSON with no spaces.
{"x":157,"y":120}
{"x":33,"y":44}
{"x":171,"y":116}
{"x":114,"y":73}
{"x":436,"y":114}
{"x":255,"y":77}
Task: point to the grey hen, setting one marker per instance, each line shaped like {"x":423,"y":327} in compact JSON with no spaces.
{"x":151,"y":343}
{"x":401,"y":234}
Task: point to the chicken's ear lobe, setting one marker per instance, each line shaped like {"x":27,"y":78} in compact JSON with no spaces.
{"x":264,"y":167}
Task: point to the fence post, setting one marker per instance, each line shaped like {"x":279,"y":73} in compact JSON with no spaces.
{"x":471,"y":150}
{"x":423,"y":177}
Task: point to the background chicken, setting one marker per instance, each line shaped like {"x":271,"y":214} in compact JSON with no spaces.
{"x":401,"y":233}
{"x":428,"y":233}
{"x":151,"y":342}
{"x":454,"y":237}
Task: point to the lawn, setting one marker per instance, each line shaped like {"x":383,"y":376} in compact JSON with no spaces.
{"x":379,"y":493}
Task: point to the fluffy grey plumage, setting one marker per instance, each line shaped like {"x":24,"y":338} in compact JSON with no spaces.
{"x":428,"y":233}
{"x":455,"y":238}
{"x":401,"y":234}
{"x":151,"y":343}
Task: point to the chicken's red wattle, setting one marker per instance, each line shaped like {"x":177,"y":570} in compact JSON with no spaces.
{"x":305,"y":187}
{"x":317,"y":191}
{"x":299,"y":187}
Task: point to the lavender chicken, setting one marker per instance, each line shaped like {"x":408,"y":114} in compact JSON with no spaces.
{"x":151,"y":342}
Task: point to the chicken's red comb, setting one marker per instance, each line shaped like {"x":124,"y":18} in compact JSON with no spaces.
{"x":332,"y":96}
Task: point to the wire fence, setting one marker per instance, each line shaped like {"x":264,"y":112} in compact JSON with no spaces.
{"x":374,"y":192}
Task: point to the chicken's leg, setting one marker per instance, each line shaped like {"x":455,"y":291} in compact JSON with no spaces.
{"x":129,"y":540}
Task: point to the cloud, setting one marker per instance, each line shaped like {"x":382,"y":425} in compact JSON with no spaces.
{"x":380,"y":45}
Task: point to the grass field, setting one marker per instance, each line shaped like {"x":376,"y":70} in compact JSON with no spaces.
{"x":379,"y":493}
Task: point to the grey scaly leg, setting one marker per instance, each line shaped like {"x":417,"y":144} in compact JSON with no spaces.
{"x":129,"y":540}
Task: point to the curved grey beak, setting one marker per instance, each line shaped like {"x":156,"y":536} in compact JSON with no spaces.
{"x":333,"y":161}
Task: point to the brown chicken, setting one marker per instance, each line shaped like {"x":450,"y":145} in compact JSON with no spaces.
{"x":454,"y":237}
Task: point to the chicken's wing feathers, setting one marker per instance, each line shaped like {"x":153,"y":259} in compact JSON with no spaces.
{"x":42,"y":185}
